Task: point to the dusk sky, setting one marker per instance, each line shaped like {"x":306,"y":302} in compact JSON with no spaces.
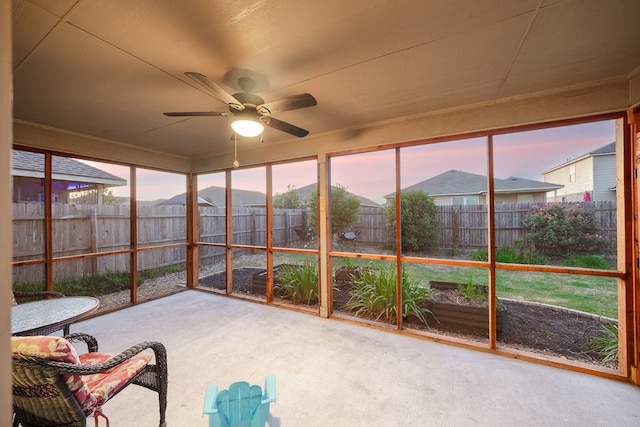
{"x":371,"y":175}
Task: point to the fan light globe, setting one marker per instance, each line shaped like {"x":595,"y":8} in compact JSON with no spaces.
{"x":247,"y":127}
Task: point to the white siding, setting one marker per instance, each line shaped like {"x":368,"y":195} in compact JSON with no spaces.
{"x":572,"y":191}
{"x":604,"y":177}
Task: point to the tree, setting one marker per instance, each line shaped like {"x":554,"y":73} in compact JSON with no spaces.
{"x":344,"y":208}
{"x":419,"y":219}
{"x":288,"y":200}
{"x":108,"y":198}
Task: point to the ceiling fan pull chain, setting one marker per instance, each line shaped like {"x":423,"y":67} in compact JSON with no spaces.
{"x":235,"y":151}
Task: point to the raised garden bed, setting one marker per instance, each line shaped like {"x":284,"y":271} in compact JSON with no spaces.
{"x":451,"y":310}
{"x":531,"y":327}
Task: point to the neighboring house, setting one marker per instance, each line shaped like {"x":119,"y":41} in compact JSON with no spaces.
{"x":591,"y":176}
{"x":72,"y":181}
{"x":181,"y":199}
{"x":306,"y":192}
{"x":463,"y":188}
{"x":216,"y":196}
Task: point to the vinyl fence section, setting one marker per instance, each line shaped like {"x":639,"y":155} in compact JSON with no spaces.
{"x":83,"y":229}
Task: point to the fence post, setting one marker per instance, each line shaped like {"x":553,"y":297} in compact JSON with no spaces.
{"x":93,"y":220}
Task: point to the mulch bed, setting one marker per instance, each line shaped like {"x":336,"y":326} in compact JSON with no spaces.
{"x":530,"y":327}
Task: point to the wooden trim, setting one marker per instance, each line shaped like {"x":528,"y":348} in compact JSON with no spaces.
{"x":229,"y":232}
{"x":193,"y":231}
{"x":269,"y":233}
{"x":491,"y":230}
{"x":398,"y":237}
{"x":133,"y":232}
{"x":634,"y":278}
{"x":625,"y":165}
{"x":324,"y":239}
{"x":48,"y":222}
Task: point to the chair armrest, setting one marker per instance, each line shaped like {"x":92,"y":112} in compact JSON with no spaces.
{"x":210,"y":397}
{"x":77,"y":369}
{"x":90,"y":341}
{"x":269,"y":394}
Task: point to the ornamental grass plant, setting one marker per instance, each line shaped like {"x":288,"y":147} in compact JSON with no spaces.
{"x":374,"y":295}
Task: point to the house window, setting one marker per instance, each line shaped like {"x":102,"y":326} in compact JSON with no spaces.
{"x":525,"y":198}
{"x":572,"y":173}
{"x":465,"y":200}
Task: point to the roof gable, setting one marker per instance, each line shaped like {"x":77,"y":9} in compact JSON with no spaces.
{"x":459,"y":182}
{"x":27,"y":163}
{"x":606,"y":150}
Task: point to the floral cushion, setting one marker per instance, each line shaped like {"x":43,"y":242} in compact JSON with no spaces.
{"x":91,"y":391}
{"x":106,"y":384}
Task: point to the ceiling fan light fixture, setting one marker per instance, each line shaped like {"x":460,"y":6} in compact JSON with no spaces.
{"x":247,"y":128}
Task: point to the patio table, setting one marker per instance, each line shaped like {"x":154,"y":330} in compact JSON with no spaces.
{"x":33,"y":318}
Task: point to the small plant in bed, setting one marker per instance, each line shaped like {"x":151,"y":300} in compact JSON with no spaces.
{"x":299,"y":283}
{"x":606,"y":344}
{"x":374,"y":295}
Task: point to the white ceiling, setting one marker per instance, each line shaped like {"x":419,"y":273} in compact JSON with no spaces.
{"x":109,"y":69}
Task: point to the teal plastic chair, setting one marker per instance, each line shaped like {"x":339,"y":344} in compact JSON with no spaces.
{"x":242,"y":405}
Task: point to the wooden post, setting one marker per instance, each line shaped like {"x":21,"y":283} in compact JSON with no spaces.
{"x":491,"y":224}
{"x":324,"y":237}
{"x":633,"y":279}
{"x":133,"y":235}
{"x":269,"y":234}
{"x":193,"y":227}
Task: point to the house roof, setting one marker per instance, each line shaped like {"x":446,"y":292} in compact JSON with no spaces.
{"x":455,"y":182}
{"x":181,"y":199}
{"x":606,"y":150}
{"x":216,"y":196}
{"x":241,"y":198}
{"x":306,"y":191}
{"x":29,"y":164}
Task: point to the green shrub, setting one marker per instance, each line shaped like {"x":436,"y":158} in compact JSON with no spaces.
{"x":344,"y":208}
{"x":374,"y":295}
{"x":419,"y":218}
{"x":299,"y":283}
{"x":586,"y":261}
{"x":288,"y":200}
{"x":606,"y":344}
{"x":560,"y":229}
{"x":480,"y":255}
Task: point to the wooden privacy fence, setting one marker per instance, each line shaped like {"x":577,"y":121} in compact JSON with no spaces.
{"x":82,"y":229}
{"x":465,"y":226}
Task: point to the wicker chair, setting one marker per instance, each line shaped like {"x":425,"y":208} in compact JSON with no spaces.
{"x":18,"y":296}
{"x":53,"y":386}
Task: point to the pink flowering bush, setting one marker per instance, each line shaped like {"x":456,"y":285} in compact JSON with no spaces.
{"x":560,"y":229}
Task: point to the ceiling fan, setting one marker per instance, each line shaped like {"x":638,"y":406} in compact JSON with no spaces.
{"x":248,"y":106}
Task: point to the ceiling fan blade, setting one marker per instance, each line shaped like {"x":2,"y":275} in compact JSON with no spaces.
{"x":303,"y":100}
{"x":195,"y":113}
{"x":285,"y":127}
{"x":216,"y":90}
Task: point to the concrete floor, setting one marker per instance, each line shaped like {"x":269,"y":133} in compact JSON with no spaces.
{"x":332,"y":373}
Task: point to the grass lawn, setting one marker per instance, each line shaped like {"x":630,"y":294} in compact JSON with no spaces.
{"x":591,"y":294}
